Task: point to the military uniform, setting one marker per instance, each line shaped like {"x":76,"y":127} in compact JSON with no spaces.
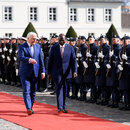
{"x":112,"y":78}
{"x":124,"y":82}
{"x":45,"y":46}
{"x":13,"y":62}
{"x":103,"y":90}
{"x":89,"y":78}
{"x":79,"y":81}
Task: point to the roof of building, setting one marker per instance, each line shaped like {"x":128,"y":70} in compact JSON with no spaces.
{"x":106,"y":1}
{"x":125,"y":18}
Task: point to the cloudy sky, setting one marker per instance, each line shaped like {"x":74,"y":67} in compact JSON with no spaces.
{"x":128,"y":3}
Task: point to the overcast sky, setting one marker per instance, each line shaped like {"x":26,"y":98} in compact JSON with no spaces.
{"x":128,"y":3}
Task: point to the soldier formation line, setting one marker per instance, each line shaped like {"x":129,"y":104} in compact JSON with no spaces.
{"x":103,"y":68}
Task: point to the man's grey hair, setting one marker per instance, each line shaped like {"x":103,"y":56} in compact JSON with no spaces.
{"x":30,"y":34}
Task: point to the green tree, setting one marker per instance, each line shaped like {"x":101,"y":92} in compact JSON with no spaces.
{"x":29,"y":28}
{"x":71,"y":33}
{"x":112,"y":31}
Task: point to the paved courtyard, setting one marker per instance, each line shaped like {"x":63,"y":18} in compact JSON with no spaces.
{"x":104,"y":112}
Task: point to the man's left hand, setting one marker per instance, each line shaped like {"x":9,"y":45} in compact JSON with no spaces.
{"x":42,"y":75}
{"x":75,"y":75}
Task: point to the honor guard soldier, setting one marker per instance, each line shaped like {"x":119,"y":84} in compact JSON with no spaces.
{"x":45,"y":46}
{"x":90,"y":69}
{"x":124,"y":76}
{"x":53,"y":41}
{"x":113,"y":71}
{"x":14,"y":50}
{"x":20,"y":40}
{"x":7,"y":60}
{"x":72,"y":42}
{"x":23,"y":40}
{"x":101,"y":71}
{"x":1,"y":60}
{"x":72,"y":81}
{"x":81,"y":57}
{"x":4,"y":49}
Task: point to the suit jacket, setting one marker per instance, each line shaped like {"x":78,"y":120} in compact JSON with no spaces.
{"x":24,"y":54}
{"x":65,"y":66}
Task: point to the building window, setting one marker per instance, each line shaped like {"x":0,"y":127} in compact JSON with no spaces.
{"x":73,"y":14}
{"x":8,"y":14}
{"x":108,"y":15}
{"x":8,"y":34}
{"x":33,"y":14}
{"x":90,"y":15}
{"x":52,"y":14}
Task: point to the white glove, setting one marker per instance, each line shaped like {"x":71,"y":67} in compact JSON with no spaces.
{"x":77,"y":65}
{"x":0,"y":50}
{"x":8,"y":58}
{"x":111,"y":53}
{"x":5,"y":49}
{"x":124,"y":57}
{"x":3,"y":56}
{"x":16,"y":51}
{"x":97,"y":65}
{"x":120,"y":67}
{"x":108,"y":66}
{"x":15,"y":59}
{"x":79,"y":55}
{"x":17,"y":72}
{"x":10,"y":50}
{"x":100,"y":55}
{"x":88,"y":54}
{"x":85,"y":64}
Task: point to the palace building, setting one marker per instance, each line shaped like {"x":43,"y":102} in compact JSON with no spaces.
{"x":56,"y":16}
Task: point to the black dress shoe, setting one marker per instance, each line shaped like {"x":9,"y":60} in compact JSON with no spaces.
{"x":59,"y":111}
{"x":29,"y":112}
{"x":13,"y":84}
{"x":53,"y":93}
{"x":32,"y":111}
{"x":72,"y":97}
{"x":115,"y":105}
{"x":7,"y":83}
{"x":65,"y":111}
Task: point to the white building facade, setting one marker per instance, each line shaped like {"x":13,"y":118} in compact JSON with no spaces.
{"x":56,"y":16}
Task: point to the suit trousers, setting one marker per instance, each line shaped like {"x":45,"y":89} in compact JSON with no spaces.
{"x":61,"y":91}
{"x":29,"y":86}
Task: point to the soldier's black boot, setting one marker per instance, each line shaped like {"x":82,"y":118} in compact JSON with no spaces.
{"x":123,"y":107}
{"x":99,"y":101}
{"x":127,"y":107}
{"x":72,"y":97}
{"x":104,"y":102}
{"x":81,"y":98}
{"x":114,"y":105}
{"x":8,"y":83}
{"x":110,"y":104}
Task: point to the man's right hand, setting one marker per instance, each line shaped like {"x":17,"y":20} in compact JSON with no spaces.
{"x":32,"y":61}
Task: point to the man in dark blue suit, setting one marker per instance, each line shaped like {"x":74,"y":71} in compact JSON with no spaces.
{"x":62,"y":65}
{"x":31,"y":60}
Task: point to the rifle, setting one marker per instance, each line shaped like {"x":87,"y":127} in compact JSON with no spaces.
{"x":15,"y":54}
{"x":78,"y":58}
{"x":110,"y":61}
{"x":88,"y":58}
{"x":98,"y":71}
{"x":4,"y":52}
{"x":9,"y":54}
{"x":124,"y":61}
